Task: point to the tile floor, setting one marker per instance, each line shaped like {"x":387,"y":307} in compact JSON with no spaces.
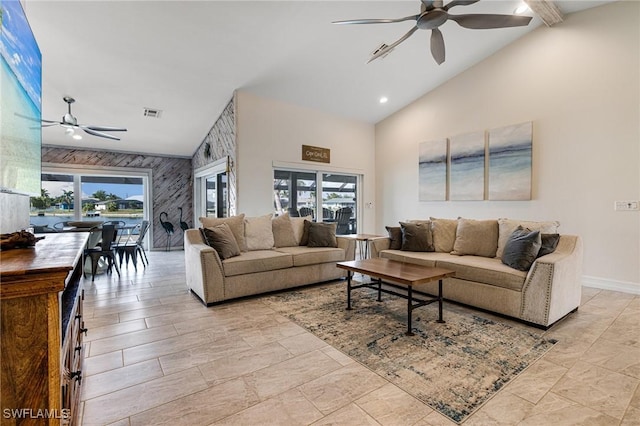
{"x":155,"y":355}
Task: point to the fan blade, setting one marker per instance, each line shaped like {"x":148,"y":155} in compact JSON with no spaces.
{"x":393,"y":45}
{"x":100,"y":134}
{"x":50,"y":124}
{"x":104,"y":128}
{"x":376,"y":21}
{"x":33,"y":118}
{"x":455,"y":3}
{"x":437,"y":45}
{"x":489,"y":21}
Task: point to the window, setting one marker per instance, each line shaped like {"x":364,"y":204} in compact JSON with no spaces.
{"x":297,"y":192}
{"x":72,"y":193}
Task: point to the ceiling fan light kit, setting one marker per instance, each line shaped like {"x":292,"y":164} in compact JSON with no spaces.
{"x":433,"y":13}
{"x":70,"y":123}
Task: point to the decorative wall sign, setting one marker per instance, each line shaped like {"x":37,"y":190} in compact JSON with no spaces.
{"x":467,"y":154}
{"x":510,"y":151}
{"x":315,"y":153}
{"x":432,"y":170}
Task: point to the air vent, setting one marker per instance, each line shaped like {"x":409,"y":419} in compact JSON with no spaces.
{"x":152,"y":113}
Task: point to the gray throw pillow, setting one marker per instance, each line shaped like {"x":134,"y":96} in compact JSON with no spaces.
{"x":395,"y":235}
{"x":322,"y":235}
{"x":222,"y":240}
{"x":549,"y":244}
{"x":416,"y":236}
{"x":521,"y":249}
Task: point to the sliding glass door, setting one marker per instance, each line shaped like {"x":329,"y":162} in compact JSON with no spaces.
{"x":326,"y":197}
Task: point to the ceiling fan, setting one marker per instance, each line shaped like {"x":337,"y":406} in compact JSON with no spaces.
{"x":434,"y":13}
{"x":70,"y":123}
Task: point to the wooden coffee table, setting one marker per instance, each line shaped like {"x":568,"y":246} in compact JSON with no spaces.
{"x":403,"y":277}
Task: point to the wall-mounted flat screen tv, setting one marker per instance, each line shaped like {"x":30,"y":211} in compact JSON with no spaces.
{"x":20,"y":102}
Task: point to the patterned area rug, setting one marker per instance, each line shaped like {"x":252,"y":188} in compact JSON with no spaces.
{"x":454,"y":367}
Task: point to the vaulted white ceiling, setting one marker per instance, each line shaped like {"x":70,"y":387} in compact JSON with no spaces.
{"x":187,"y":57}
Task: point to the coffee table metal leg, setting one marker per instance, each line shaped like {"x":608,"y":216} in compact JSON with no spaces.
{"x":440,"y":320}
{"x":379,"y":289}
{"x":349,"y":274}
{"x":409,"y":310}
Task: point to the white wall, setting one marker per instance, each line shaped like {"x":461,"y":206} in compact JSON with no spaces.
{"x":14,"y":212}
{"x":271,"y":132}
{"x":579,"y":84}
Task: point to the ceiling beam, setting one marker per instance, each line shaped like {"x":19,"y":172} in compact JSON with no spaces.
{"x":547,"y":10}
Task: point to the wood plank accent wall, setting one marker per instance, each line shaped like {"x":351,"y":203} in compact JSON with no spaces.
{"x":172,"y":184}
{"x":222,"y":141}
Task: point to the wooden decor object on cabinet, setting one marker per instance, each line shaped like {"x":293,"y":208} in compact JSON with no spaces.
{"x":41,"y":337}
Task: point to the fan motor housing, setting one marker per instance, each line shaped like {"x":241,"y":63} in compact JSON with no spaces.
{"x":432,"y":19}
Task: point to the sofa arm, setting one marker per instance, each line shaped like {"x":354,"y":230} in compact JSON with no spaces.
{"x":203,"y":268}
{"x":376,"y":245}
{"x":553,"y":287}
{"x":349,"y":247}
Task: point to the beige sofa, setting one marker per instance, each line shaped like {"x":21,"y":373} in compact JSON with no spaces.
{"x":259,"y":268}
{"x":545,"y":293}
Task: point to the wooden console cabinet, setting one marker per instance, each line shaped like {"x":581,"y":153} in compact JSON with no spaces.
{"x":41,"y":337}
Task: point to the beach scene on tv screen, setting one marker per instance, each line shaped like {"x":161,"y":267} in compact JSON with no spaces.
{"x":20,"y":104}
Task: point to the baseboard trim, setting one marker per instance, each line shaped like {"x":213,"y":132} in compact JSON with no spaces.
{"x":613,"y":285}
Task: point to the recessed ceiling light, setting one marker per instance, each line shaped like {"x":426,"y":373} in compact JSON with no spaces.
{"x":383,"y":100}
{"x":521,"y":9}
{"x":77,"y":137}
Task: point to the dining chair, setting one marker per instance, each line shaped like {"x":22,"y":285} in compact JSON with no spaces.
{"x":105,"y":249}
{"x":131,"y":248}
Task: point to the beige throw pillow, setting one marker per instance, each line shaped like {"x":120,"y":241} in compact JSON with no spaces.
{"x":476,"y":237}
{"x":507,"y":226}
{"x":444,"y":234}
{"x":282,"y":228}
{"x":258,"y":233}
{"x":236,"y":223}
{"x":298,"y":227}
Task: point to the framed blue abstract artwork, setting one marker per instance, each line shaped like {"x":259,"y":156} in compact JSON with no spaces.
{"x":467,"y":166}
{"x":432,"y":170}
{"x":510,"y":150}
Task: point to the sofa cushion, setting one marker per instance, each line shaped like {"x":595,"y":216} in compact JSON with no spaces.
{"x":444,"y":234}
{"x":298,"y":228}
{"x":476,"y":237}
{"x":282,"y":228}
{"x":322,"y":234}
{"x":258,"y":232}
{"x":521,"y":248}
{"x":419,"y":258}
{"x":222,"y":240}
{"x":256,"y":261}
{"x":549,"y":244}
{"x":395,"y":237}
{"x":507,"y":226}
{"x":236,"y":223}
{"x":486,"y":270}
{"x":303,"y":255}
{"x":416,"y":236}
